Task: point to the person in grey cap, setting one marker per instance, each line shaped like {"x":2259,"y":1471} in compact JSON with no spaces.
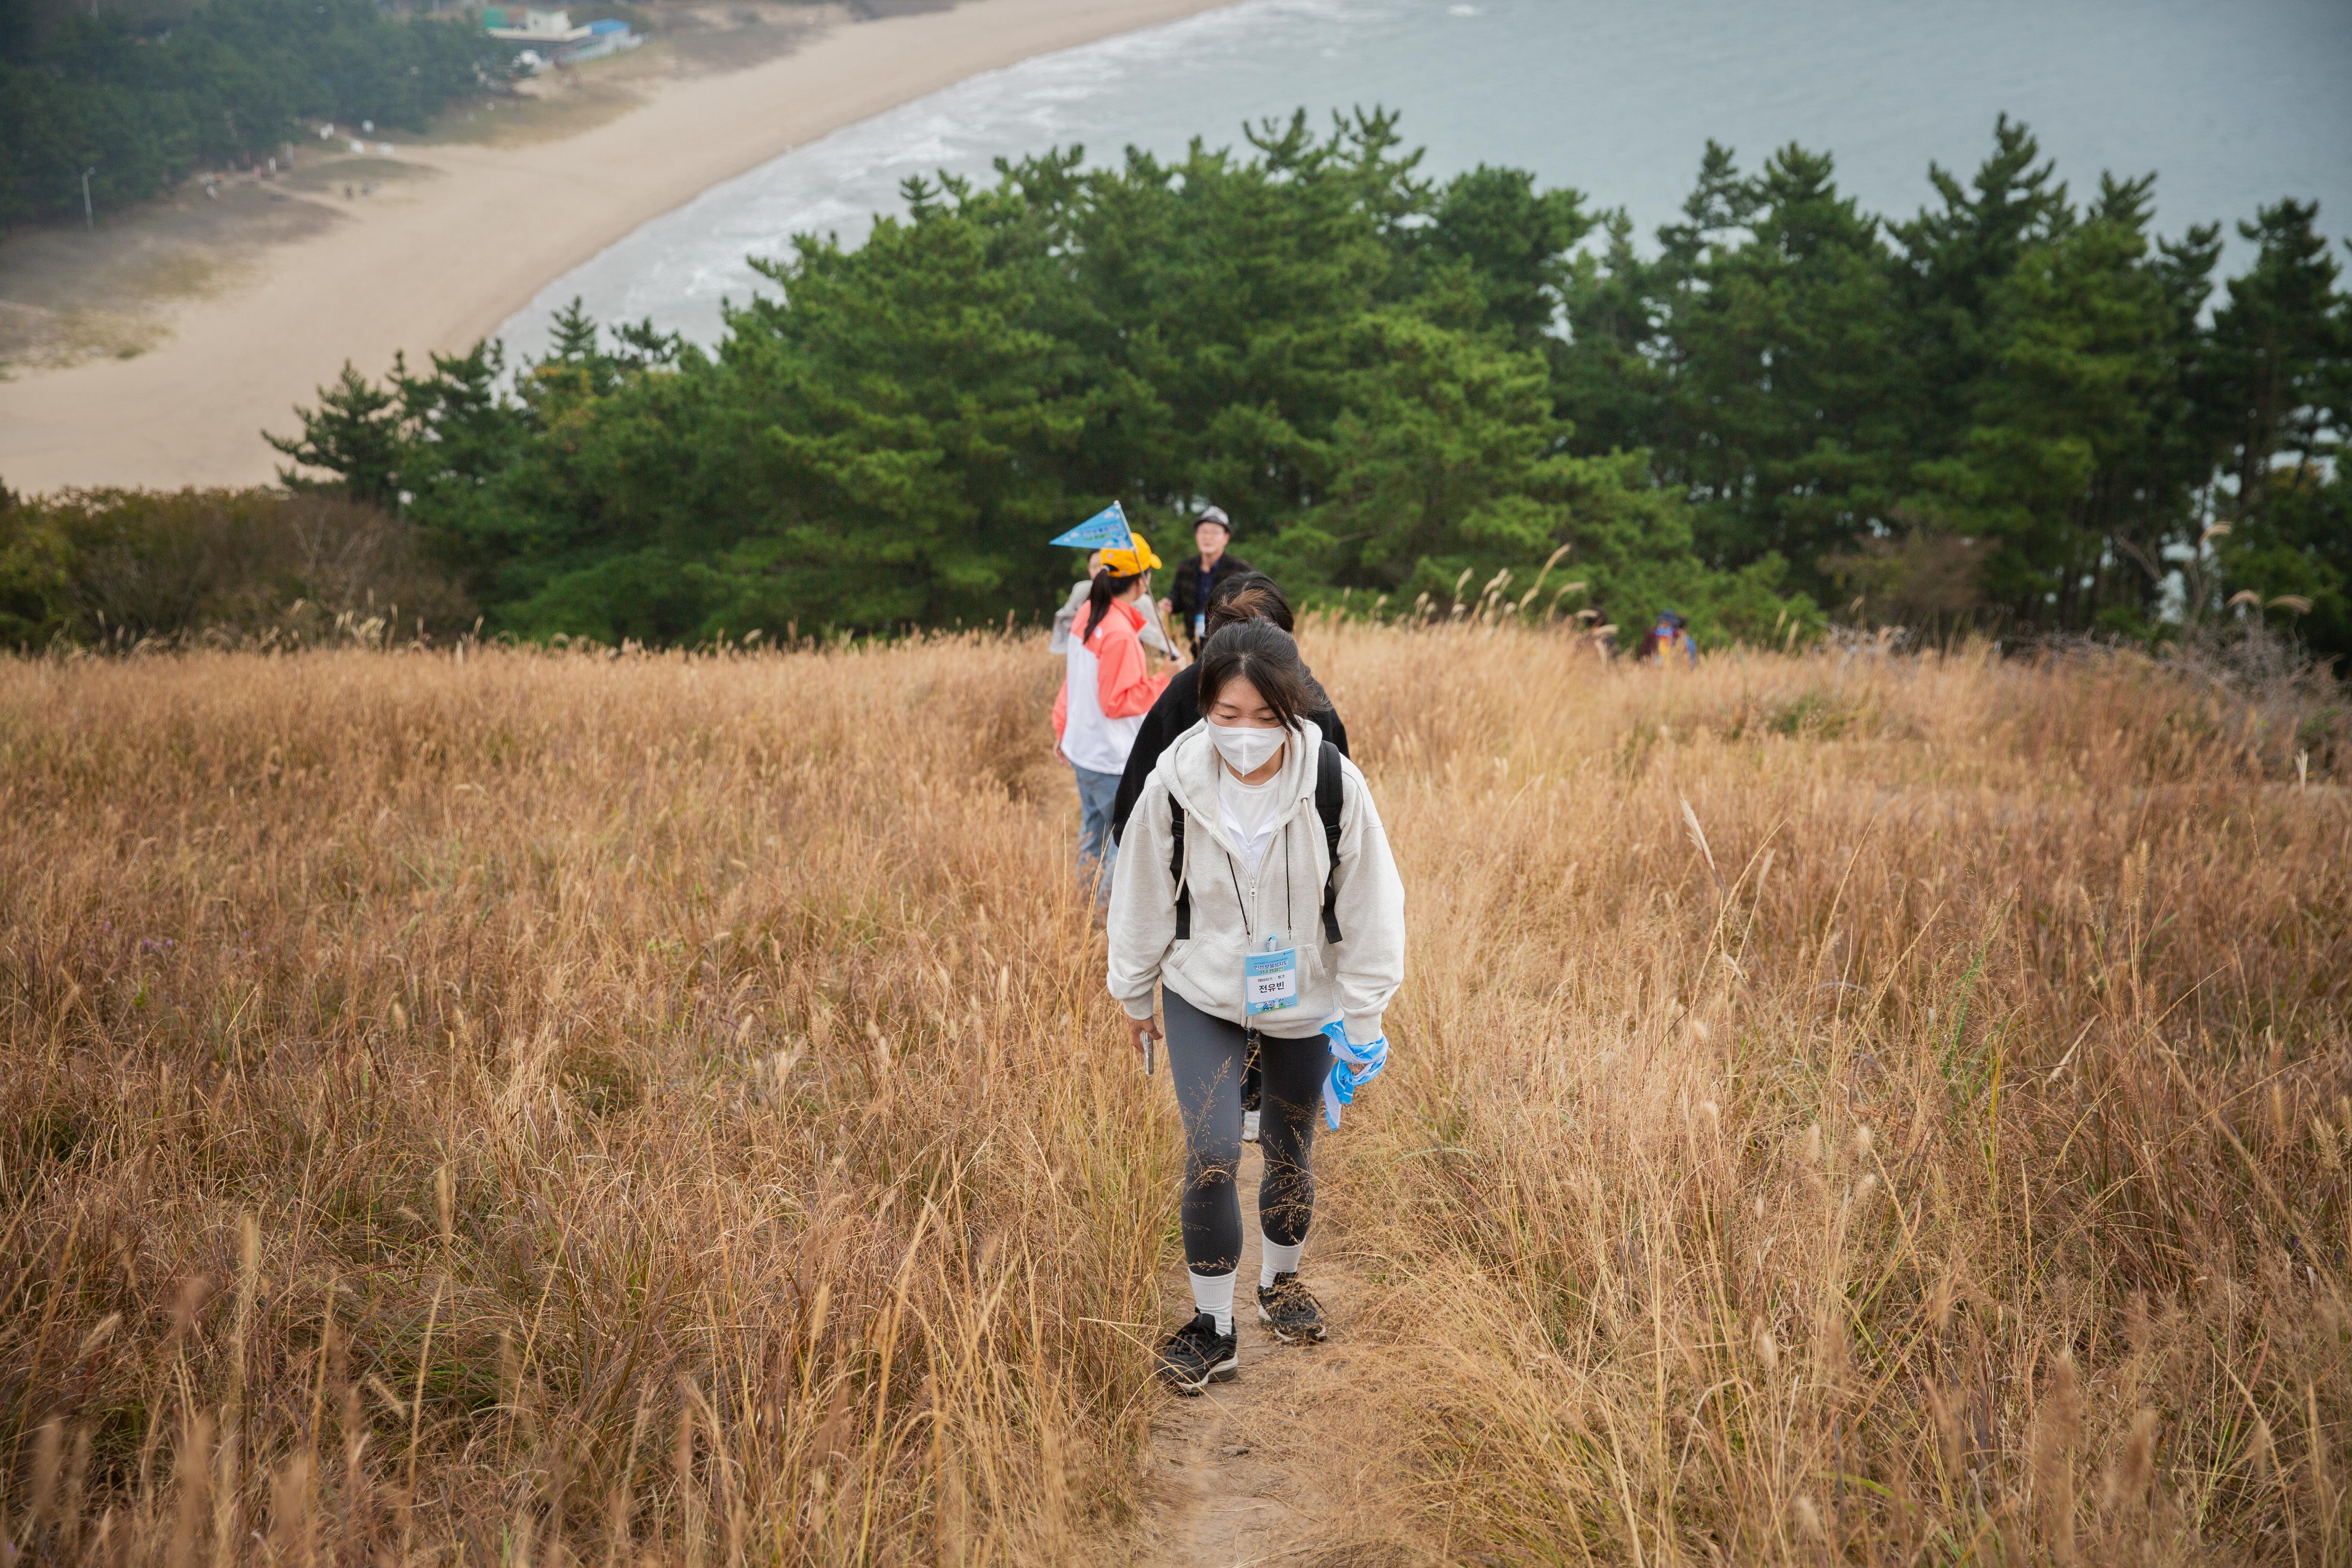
{"x":1187,"y":604}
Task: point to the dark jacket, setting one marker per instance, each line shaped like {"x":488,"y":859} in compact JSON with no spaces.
{"x":1177,"y":711}
{"x":1186,"y":599}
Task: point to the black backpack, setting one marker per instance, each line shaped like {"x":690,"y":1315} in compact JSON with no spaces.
{"x":1329,"y":794}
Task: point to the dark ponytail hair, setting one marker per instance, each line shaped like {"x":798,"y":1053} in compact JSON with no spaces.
{"x":1251,"y":596}
{"x":1098,"y":597}
{"x":1263,"y":654}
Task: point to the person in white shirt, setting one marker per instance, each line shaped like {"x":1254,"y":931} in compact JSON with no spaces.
{"x":1105,"y":691}
{"x":1256,"y":892}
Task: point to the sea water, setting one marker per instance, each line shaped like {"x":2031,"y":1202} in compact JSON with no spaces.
{"x":2233,"y":103}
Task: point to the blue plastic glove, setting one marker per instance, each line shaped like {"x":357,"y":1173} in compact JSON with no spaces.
{"x":1355,"y":1067}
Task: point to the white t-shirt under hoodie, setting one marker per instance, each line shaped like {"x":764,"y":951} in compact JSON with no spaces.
{"x":1248,"y":812}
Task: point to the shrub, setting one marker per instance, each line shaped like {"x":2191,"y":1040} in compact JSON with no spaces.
{"x":120,"y":567}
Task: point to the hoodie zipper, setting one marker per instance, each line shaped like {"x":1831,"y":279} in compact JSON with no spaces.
{"x":1254,"y":902}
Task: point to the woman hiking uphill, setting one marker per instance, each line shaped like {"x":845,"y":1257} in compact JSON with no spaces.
{"x":1105,"y":691}
{"x":1258,"y":893}
{"x":1251,"y":596}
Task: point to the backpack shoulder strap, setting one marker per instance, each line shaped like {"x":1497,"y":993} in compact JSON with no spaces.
{"x":1176,"y":869}
{"x":1330,"y":794}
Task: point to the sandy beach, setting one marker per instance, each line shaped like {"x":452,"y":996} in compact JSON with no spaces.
{"x":473,"y":236}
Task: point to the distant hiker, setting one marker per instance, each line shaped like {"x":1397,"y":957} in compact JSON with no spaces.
{"x":1249,"y":598}
{"x":1258,"y":894}
{"x":1154,"y":634}
{"x":1058,"y":643}
{"x":1196,"y":580}
{"x":1155,"y":631}
{"x":1668,"y":639}
{"x":1105,"y":691}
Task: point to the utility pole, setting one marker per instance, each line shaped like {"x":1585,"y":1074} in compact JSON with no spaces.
{"x":89,"y":216}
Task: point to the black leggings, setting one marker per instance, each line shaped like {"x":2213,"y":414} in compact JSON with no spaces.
{"x":1205,"y":1060}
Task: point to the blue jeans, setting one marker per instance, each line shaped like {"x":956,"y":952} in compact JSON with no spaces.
{"x":1097,"y":850}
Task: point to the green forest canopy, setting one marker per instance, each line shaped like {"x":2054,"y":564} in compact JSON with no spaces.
{"x":2019,"y":407}
{"x":140,"y":97}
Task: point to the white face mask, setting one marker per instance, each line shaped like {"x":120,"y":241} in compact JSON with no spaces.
{"x":1245,"y":750}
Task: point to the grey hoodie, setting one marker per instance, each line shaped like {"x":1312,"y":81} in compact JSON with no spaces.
{"x":1353,"y":980}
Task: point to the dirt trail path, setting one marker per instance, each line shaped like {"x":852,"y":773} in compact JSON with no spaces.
{"x":1269,"y":1469}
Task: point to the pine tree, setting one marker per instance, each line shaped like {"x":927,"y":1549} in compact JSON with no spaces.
{"x":1608,"y":378}
{"x":1952,"y":260}
{"x":354,"y":434}
{"x":1515,"y":241}
{"x":2278,"y":350}
{"x":1785,"y":382}
{"x":2280,"y":404}
{"x":2062,"y":418}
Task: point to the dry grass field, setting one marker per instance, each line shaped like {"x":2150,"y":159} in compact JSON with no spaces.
{"x":560,"y":1109}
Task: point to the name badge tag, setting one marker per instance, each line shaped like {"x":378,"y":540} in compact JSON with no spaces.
{"x":1199,"y":627}
{"x":1270,"y":978}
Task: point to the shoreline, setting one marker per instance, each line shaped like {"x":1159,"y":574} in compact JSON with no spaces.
{"x":445,"y":258}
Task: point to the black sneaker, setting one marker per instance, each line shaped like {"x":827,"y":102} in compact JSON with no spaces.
{"x":1196,"y":1355}
{"x":1290,"y":1309}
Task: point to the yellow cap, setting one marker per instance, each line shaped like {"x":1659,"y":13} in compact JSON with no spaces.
{"x":1129,"y":562}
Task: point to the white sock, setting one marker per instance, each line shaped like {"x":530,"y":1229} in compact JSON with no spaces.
{"x":1213,"y":1294}
{"x":1275,"y":1258}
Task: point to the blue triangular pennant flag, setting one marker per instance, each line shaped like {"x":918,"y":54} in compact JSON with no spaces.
{"x":1107,"y":529}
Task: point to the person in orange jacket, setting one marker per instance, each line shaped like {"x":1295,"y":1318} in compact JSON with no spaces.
{"x":1107,"y":689}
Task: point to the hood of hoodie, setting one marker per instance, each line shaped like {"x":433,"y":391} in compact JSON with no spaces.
{"x":1191,"y":768}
